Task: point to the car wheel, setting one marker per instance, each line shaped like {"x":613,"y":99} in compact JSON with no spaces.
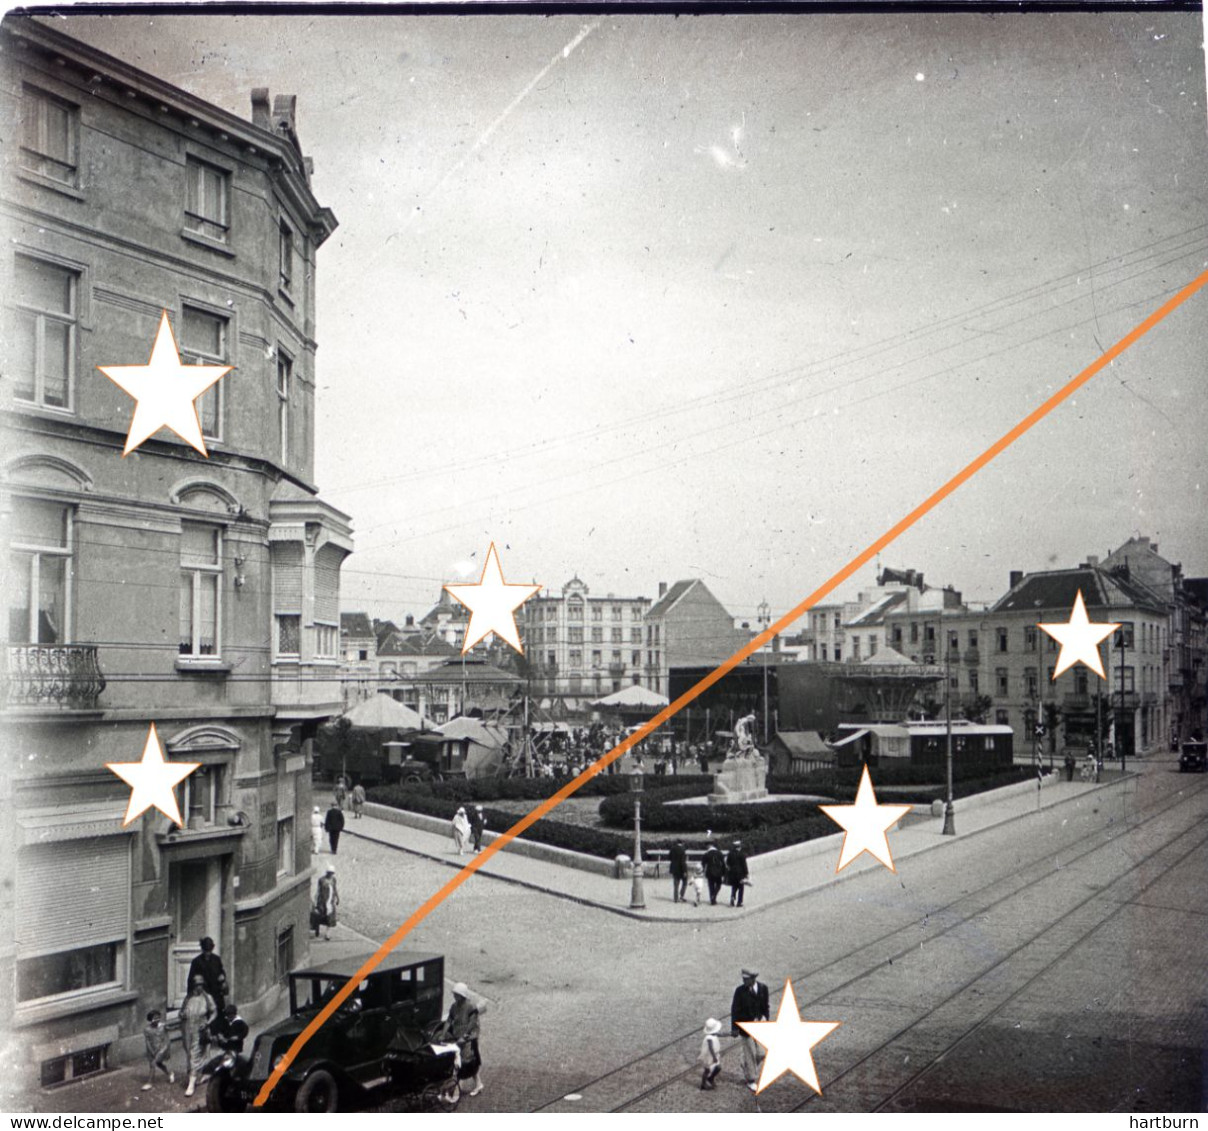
{"x":412,"y":779}
{"x":223,"y":1095}
{"x":319,"y":1093}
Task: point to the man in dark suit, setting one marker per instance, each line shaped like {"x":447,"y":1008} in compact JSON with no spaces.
{"x":678,"y":864}
{"x":750,"y":1004}
{"x":715,"y":870}
{"x":208,"y":966}
{"x":334,"y":824}
{"x":736,"y":872}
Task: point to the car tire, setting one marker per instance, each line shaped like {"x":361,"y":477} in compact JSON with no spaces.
{"x":444,"y":1096}
{"x":319,"y":1093}
{"x":223,"y":1096}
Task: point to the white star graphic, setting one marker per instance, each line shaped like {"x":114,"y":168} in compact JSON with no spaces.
{"x":1079,"y":639}
{"x":492,"y":602}
{"x":164,"y":391}
{"x":789,"y":1040}
{"x":152,"y":780}
{"x":866,"y":823}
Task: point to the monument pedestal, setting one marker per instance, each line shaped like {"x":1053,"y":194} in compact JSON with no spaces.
{"x":740,"y":779}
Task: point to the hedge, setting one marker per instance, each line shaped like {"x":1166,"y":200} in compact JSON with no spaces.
{"x":658,"y":816}
{"x":604,"y":784}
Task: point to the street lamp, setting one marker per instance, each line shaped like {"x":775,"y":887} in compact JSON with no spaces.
{"x":637,"y":899}
{"x":949,"y":809}
{"x":765,"y":619}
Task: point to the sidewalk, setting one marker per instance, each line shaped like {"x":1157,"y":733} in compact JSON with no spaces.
{"x":776,"y":877}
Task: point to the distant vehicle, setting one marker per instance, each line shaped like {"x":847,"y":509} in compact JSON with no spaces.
{"x":380,"y":1040}
{"x":1194,"y":758}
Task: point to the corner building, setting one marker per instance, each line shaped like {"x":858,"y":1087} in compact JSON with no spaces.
{"x":201,"y":594}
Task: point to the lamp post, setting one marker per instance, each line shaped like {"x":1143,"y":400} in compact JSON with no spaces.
{"x":637,"y":898}
{"x":1120,"y":729}
{"x":765,"y":619}
{"x":949,"y":809}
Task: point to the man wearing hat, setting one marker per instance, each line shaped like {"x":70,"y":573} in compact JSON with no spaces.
{"x":327,"y":899}
{"x":714,"y":864}
{"x":478,"y":822}
{"x":208,"y":966}
{"x":462,"y":1026}
{"x":736,"y":873}
{"x":750,"y":1004}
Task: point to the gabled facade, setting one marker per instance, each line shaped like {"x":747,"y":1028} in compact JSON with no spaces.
{"x":687,"y":626}
{"x":200,"y":594}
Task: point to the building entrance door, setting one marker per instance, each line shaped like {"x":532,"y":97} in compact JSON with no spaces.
{"x":196,"y":908}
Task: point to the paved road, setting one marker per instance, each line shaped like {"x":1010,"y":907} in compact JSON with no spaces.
{"x":1054,"y":962}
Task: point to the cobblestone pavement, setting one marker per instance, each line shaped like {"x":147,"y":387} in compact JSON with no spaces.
{"x":1068,"y":957}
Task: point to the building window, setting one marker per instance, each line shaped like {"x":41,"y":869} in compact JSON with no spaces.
{"x":207,"y":200}
{"x":597,"y":613}
{"x":1031,"y":682}
{"x":855,"y":647}
{"x":86,"y":1062}
{"x":914,"y":632}
{"x":327,"y":641}
{"x":1124,"y":634}
{"x":574,"y":635}
{"x":1125,"y":679}
{"x":41,"y":573}
{"x":635,"y":658}
{"x":872,"y":645}
{"x":200,"y":589}
{"x":616,"y":656}
{"x":285,"y":954}
{"x":574,"y":610}
{"x":954,"y":642}
{"x":1002,"y":718}
{"x":44,"y":340}
{"x":616,"y":612}
{"x":551,"y":660}
{"x":635,"y":636}
{"x":1002,"y":639}
{"x":285,"y":278}
{"x":1029,"y":638}
{"x":49,"y":136}
{"x":597,"y":635}
{"x":289,"y":634}
{"x":929,"y":634}
{"x":1002,"y":681}
{"x":897,"y":634}
{"x":575,"y":658}
{"x":285,"y":846}
{"x":201,"y":794}
{"x":596,"y":658}
{"x":69,"y":971}
{"x":838,"y":653}
{"x":204,"y":342}
{"x":973,"y":682}
{"x":285,"y":373}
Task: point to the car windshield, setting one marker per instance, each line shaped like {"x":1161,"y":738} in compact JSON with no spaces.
{"x":315,"y":991}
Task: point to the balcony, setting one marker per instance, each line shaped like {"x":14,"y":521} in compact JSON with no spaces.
{"x":1076,"y":702}
{"x":306,"y":691}
{"x":57,"y":676}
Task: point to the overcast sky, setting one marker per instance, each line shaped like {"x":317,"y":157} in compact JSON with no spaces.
{"x":643,"y":298}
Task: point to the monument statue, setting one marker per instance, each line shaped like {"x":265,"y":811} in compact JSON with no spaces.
{"x":743,"y":775}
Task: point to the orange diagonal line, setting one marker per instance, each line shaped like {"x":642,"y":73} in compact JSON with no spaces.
{"x":1000,"y":445}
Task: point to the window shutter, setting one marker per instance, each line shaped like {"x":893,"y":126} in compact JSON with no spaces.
{"x":327,"y":583}
{"x":73,"y":894}
{"x":287,"y":576}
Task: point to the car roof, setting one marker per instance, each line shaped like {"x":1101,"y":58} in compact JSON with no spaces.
{"x":347,"y":967}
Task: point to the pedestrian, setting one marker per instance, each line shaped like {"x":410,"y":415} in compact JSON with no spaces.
{"x":159,"y":1044}
{"x":461,"y":1026}
{"x":461,"y":830}
{"x":737,"y":873}
{"x":478,"y":822}
{"x":327,"y":899}
{"x":678,"y":866}
{"x":750,"y":1004}
{"x":334,"y":824}
{"x":209,"y":966}
{"x":316,"y":832}
{"x":1069,"y":765}
{"x":229,"y":1030}
{"x":710,"y":1055}
{"x":358,"y":800}
{"x":340,"y":794}
{"x":698,"y":882}
{"x":195,"y":1017}
{"x":715,"y":871}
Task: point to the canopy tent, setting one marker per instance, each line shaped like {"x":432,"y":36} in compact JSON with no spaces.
{"x":473,"y":730}
{"x":633,"y":697}
{"x":383,"y":713}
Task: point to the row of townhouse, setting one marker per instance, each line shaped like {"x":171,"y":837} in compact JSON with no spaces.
{"x":1000,"y":665}
{"x":200,"y":595}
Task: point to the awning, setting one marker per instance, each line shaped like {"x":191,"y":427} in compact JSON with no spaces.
{"x":849,"y":739}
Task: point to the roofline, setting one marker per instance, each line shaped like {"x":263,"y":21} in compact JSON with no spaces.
{"x":320,"y":219}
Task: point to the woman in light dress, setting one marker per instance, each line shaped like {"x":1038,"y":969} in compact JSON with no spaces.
{"x":461,"y":830}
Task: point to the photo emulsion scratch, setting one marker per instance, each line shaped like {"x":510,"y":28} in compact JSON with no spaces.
{"x":640,"y":563}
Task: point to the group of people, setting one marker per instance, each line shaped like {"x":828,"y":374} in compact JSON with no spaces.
{"x":750,"y":1003}
{"x":206,"y":1019}
{"x":331,"y":823}
{"x":468,"y":830}
{"x":714,"y":869}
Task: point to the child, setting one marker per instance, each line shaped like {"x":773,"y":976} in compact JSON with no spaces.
{"x":698,"y":882}
{"x":710,"y":1055}
{"x":158,"y":1044}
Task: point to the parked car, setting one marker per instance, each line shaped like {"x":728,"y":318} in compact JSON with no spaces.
{"x":1194,"y":758}
{"x":379,"y":1040}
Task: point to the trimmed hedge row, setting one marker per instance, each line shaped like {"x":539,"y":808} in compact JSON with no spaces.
{"x":658,"y":816}
{"x":605,"y":784}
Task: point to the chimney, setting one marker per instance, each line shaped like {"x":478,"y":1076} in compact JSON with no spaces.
{"x":1092,"y":561}
{"x":1016,"y":577}
{"x":260,"y":114}
{"x":284,"y":108}
{"x":662,"y":589}
{"x":410,"y":622}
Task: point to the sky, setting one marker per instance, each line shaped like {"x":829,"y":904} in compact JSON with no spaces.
{"x":641,"y":298}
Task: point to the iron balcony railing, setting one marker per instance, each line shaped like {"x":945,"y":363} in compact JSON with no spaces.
{"x":67,"y":676}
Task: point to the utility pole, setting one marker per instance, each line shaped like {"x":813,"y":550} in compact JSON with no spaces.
{"x":949,"y":809}
{"x":1120,"y":729}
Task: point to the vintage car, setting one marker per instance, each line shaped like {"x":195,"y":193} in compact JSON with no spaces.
{"x":1194,"y":757}
{"x":378,"y":1043}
